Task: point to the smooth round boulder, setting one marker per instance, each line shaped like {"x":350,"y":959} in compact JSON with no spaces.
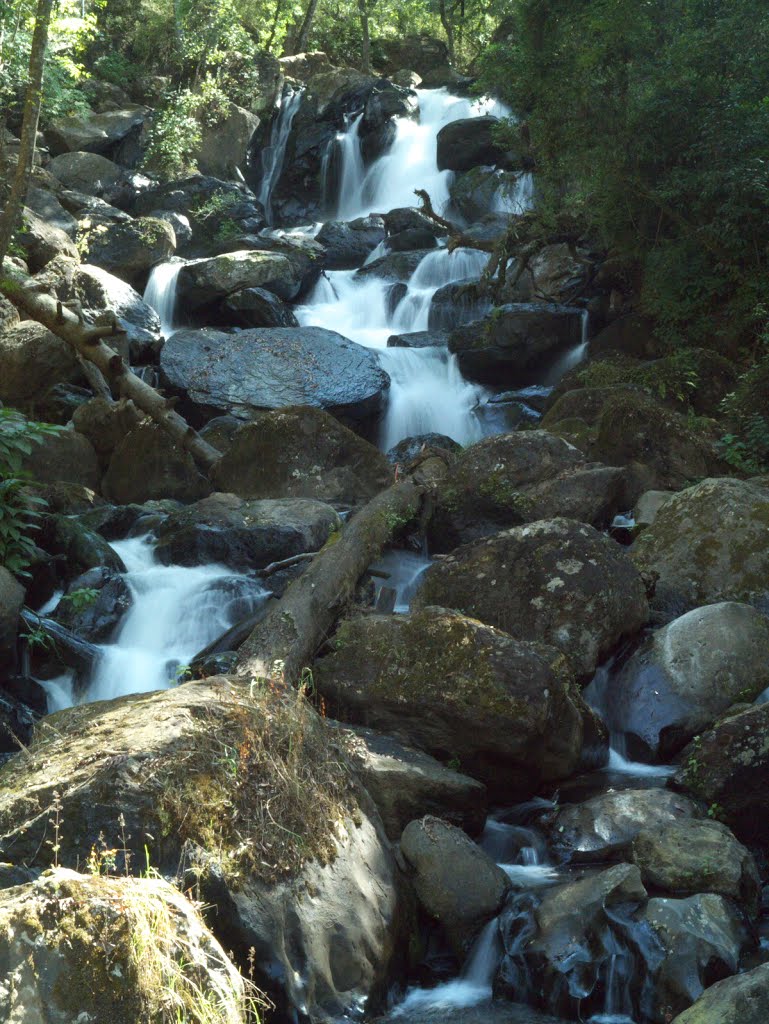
{"x":742,"y":999}
{"x":244,"y":535}
{"x":708,"y":544}
{"x":32,"y":361}
{"x":100,"y":291}
{"x":516,"y":478}
{"x":506,"y":710}
{"x":93,"y":133}
{"x":686,"y":675}
{"x":85,"y":172}
{"x":271,"y":368}
{"x":257,"y":307}
{"x":301,"y":452}
{"x":469,"y":142}
{"x":130,"y":249}
{"x":41,"y":241}
{"x":202,"y":282}
{"x":555,"y":581}
{"x":455,"y":881}
{"x":348,"y":243}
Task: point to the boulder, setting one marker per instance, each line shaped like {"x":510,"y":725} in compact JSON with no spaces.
{"x":41,"y":241}
{"x":408,"y":218}
{"x":419,"y":339}
{"x":66,"y":457}
{"x":94,"y":605}
{"x":702,"y":937}
{"x":743,"y":999}
{"x":301,"y":452}
{"x":686,"y":675}
{"x":604,"y":826}
{"x":470,"y":142}
{"x":65,"y":939}
{"x":395,"y":266}
{"x":421,"y":52}
{"x":147,"y":464}
{"x":211,"y":280}
{"x":224,"y":146}
{"x":455,"y":881}
{"x":315,"y":896}
{"x":697,"y":856}
{"x":32,"y":361}
{"x":505,"y":709}
{"x":9,"y":315}
{"x":516,"y":342}
{"x":405,"y":451}
{"x":386,"y":102}
{"x":647,"y":506}
{"x":100,"y":292}
{"x":105,"y":424}
{"x":93,"y":133}
{"x":480,"y":191}
{"x":130,"y":250}
{"x":257,"y":307}
{"x":510,"y":479}
{"x":82,"y":548}
{"x":90,"y":210}
{"x":708,"y":544}
{"x":11,"y":601}
{"x":85,"y":172}
{"x":271,"y":368}
{"x":244,"y":534}
{"x":406,"y":783}
{"x":559,"y":581}
{"x":413,"y":238}
{"x":556,"y":273}
{"x":458,"y":303}
{"x":727,"y":768}
{"x":47,"y":206}
{"x":348,"y":243}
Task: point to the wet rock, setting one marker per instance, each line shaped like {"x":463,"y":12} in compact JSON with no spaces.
{"x":455,"y":881}
{"x":407,"y":218}
{"x":702,"y":937}
{"x":485,"y":1013}
{"x":82,"y":548}
{"x":211,"y":280}
{"x":32,"y":361}
{"x":515,"y":342}
{"x":743,"y":999}
{"x":556,"y":274}
{"x":469,"y":142}
{"x":687,"y":674}
{"x":395,"y":266}
{"x":99,"y":291}
{"x":727,"y":768}
{"x":697,"y":856}
{"x":348,"y":243}
{"x":409,"y":448}
{"x":94,"y":605}
{"x":54,"y":967}
{"x":301,"y":453}
{"x":244,"y":534}
{"x":708,"y":544}
{"x":413,"y":238}
{"x":556,"y":580}
{"x":476,"y":192}
{"x":42,"y":241}
{"x":85,"y":172}
{"x":419,"y":339}
{"x":147,"y":464}
{"x":11,"y":601}
{"x":459,"y":303}
{"x":321,"y":911}
{"x":516,"y":478}
{"x":406,"y":783}
{"x":506,"y":710}
{"x":129,"y":250}
{"x":606,"y":825}
{"x":257,"y":307}
{"x":386,"y":102}
{"x":272,"y":368}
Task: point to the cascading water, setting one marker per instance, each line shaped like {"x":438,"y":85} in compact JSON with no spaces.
{"x":274,"y":154}
{"x":518,"y":200}
{"x":160,"y":293}
{"x":353,"y":171}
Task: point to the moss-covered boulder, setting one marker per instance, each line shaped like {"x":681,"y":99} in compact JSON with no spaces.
{"x":32,"y":361}
{"x":126,"y":950}
{"x":253,"y":792}
{"x":516,"y":478}
{"x":727,"y":768}
{"x":302,"y":452}
{"x":555,"y":581}
{"x":244,"y":534}
{"x":204,"y":281}
{"x":129,"y":249}
{"x":11,"y":601}
{"x":708,"y":544}
{"x":148,"y":465}
{"x":506,"y":710}
{"x":80,"y":547}
{"x":743,"y":999}
{"x":697,"y":856}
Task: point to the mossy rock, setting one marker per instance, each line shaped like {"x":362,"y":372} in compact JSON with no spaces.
{"x":743,"y":999}
{"x":506,"y":710}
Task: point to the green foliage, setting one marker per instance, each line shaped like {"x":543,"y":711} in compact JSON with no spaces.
{"x":19,"y":511}
{"x":81,"y":598}
{"x":174,"y":138}
{"x":746,"y":446}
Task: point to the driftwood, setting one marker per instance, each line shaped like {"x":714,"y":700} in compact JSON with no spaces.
{"x":286,"y":640}
{"x":88,"y":342}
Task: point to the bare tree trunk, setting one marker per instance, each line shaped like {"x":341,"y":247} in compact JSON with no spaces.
{"x":304,"y":31}
{"x":448,"y":28}
{"x":13,"y":205}
{"x":87,"y":341}
{"x":286,"y":640}
{"x":366,"y":44}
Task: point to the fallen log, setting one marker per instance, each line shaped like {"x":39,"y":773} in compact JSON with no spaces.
{"x":286,"y":640}
{"x":88,"y":341}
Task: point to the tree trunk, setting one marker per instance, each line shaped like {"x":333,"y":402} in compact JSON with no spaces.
{"x":87,"y":342}
{"x":304,"y":32}
{"x":448,"y":28}
{"x":366,"y":44}
{"x":286,"y":640}
{"x":10,"y":216}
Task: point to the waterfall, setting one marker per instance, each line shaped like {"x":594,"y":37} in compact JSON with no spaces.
{"x":517,"y":200}
{"x":353,"y":172}
{"x":160,"y":293}
{"x":274,"y":153}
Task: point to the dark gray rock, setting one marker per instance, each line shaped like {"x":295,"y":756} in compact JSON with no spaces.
{"x":348,"y":243}
{"x":257,"y":307}
{"x":469,"y":142}
{"x":408,"y":449}
{"x":419,"y":339}
{"x":95,"y":620}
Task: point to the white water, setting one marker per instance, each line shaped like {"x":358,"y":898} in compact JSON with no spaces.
{"x":403,"y":569}
{"x":517,"y":200}
{"x":353,"y":172}
{"x":274,"y":154}
{"x":620,"y":764}
{"x":160,"y":293}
